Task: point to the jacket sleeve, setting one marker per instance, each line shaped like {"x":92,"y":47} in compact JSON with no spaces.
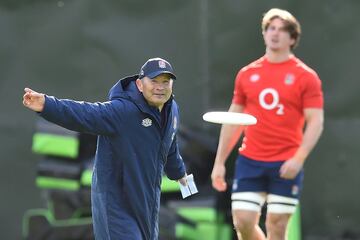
{"x":174,"y":167}
{"x":94,"y":118}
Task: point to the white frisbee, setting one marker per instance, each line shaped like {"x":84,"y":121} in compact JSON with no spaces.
{"x":230,"y":118}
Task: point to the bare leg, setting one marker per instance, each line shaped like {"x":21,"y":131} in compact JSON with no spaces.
{"x":276,"y":225}
{"x":246,"y":225}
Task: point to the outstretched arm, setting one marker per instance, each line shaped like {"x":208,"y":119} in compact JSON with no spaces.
{"x":229,"y":136}
{"x":314,"y":119}
{"x":95,"y":118}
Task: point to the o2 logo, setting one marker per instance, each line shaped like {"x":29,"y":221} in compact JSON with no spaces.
{"x":275,"y":101}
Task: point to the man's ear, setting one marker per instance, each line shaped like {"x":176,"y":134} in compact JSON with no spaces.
{"x":139,"y":85}
{"x":292,"y":42}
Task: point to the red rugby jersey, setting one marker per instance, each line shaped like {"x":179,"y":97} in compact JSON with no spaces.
{"x":276,"y":94}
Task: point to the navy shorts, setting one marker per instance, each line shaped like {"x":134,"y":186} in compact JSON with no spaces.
{"x":260,"y":176}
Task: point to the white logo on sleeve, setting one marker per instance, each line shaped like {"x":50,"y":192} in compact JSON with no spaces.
{"x":254,"y":77}
{"x":275,"y":103}
{"x":147,"y":122}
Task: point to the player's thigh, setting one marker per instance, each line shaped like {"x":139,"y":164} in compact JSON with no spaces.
{"x":277,"y":204}
{"x":245,"y":219}
{"x":248,"y":201}
{"x":246,"y":209}
{"x":285,"y":187}
{"x":249,"y":176}
{"x":249,"y":187}
{"x":284,"y":194}
{"x":277,"y":222}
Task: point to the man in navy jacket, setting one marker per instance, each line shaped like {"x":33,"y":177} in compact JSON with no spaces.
{"x":136,"y":131}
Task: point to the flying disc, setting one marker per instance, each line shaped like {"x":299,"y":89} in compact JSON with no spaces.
{"x":230,"y":118}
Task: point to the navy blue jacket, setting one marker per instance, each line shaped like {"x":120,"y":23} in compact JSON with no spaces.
{"x":134,"y":147}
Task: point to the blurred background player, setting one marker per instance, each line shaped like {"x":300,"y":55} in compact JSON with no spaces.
{"x":284,"y":95}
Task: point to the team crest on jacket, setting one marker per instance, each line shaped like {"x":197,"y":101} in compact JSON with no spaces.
{"x":147,"y":122}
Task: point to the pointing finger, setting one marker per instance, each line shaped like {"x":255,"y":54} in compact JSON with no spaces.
{"x":28,"y":90}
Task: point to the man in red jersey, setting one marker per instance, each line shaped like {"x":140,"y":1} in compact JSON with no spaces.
{"x":283,"y":94}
